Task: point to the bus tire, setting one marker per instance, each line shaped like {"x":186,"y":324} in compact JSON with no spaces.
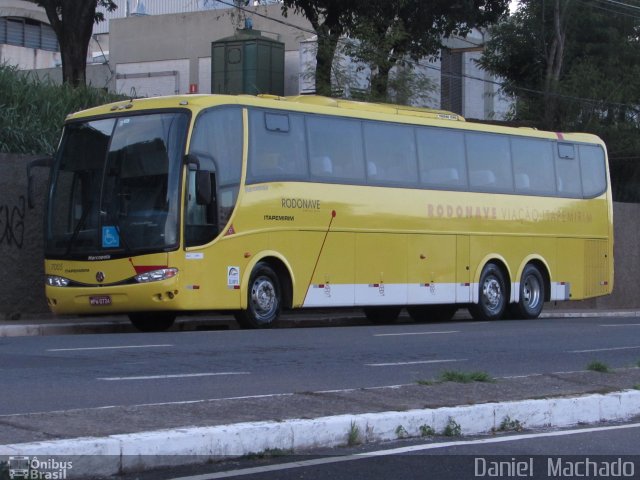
{"x":264,"y":300}
{"x":382,"y":315}
{"x":432,"y":313}
{"x":531,"y":294}
{"x":152,"y":321}
{"x":493,"y":296}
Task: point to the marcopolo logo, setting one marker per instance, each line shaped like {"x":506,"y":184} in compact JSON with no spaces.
{"x":38,"y":469}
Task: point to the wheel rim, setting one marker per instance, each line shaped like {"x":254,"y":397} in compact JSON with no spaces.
{"x":492,"y":294}
{"x":531,"y":292}
{"x":264,"y":299}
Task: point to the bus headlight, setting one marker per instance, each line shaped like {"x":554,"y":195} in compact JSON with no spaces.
{"x":56,"y":281}
{"x":156,"y":275}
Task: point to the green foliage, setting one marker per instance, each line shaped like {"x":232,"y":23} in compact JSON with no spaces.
{"x":396,"y":33}
{"x":401,"y":432}
{"x":509,"y":425}
{"x":591,"y":85}
{"x":452,"y":429}
{"x":465,"y":377}
{"x":353,"y":436}
{"x":32,"y":112}
{"x":426,"y":383}
{"x":427,"y":431}
{"x":597,"y":366}
{"x":388,"y":34}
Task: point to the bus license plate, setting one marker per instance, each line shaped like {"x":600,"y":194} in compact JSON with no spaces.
{"x":100,"y":300}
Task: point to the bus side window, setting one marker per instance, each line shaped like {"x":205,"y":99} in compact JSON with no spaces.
{"x":568,"y":171}
{"x":335,"y":149}
{"x":391,"y":148}
{"x":489,"y":162}
{"x":533,"y":169}
{"x":277,"y":147}
{"x":593,"y":170}
{"x":441,"y":158}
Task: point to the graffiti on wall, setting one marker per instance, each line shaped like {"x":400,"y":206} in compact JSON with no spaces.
{"x":12,"y":223}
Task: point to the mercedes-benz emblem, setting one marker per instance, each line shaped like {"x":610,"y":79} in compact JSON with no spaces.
{"x":100,"y":277}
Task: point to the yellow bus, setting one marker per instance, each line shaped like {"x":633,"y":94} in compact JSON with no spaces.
{"x":256,"y":204}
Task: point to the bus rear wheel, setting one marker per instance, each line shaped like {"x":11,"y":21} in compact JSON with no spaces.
{"x":432,"y":313}
{"x":264,"y":300}
{"x":382,"y":315}
{"x":531,"y":294}
{"x":152,"y":321}
{"x":492,"y":297}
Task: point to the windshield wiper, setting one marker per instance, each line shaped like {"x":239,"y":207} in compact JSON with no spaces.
{"x":76,"y":231}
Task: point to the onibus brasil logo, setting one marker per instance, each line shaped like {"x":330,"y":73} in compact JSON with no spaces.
{"x":38,"y":469}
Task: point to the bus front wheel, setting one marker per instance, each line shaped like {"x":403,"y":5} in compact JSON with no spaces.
{"x":531,"y":294}
{"x":152,"y":321}
{"x":493,"y":296}
{"x":264,"y":300}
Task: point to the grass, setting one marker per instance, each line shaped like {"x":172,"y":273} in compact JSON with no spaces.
{"x":597,"y":366}
{"x":427,"y":431}
{"x":353,"y":437}
{"x":509,"y":425}
{"x":465,"y":377}
{"x":452,"y":429}
{"x":268,"y":453}
{"x":426,"y":382}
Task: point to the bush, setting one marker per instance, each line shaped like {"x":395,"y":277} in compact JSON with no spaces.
{"x":32,"y":111}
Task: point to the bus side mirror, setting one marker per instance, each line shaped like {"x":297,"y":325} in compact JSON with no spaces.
{"x":46,"y":162}
{"x":205,"y":182}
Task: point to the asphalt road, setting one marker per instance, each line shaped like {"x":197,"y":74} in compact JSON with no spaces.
{"x":48,"y":373}
{"x":583,"y":452}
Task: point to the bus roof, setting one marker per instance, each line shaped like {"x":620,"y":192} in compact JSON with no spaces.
{"x":369,"y":107}
{"x":320,"y":104}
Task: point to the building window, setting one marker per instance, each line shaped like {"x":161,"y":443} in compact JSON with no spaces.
{"x":25,"y":32}
{"x":451,"y":81}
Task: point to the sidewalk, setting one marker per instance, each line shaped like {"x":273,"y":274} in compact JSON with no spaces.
{"x":107,"y":441}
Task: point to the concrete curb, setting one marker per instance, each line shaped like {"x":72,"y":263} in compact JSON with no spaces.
{"x":123,"y":453}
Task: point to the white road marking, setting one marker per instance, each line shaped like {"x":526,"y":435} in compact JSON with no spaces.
{"x":621,"y":325}
{"x":398,"y":451}
{"x":105,"y":348}
{"x":412,"y":333}
{"x":418,"y":362}
{"x":180,"y":375}
{"x":604,"y":349}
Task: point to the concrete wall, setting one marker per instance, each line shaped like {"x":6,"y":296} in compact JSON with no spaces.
{"x":21,"y":247}
{"x":21,"y":257}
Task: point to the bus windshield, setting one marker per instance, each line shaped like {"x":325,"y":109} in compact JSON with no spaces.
{"x":115,"y":187}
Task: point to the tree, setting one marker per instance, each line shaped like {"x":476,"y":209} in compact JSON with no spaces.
{"x":330,"y":20}
{"x":72,"y":21}
{"x":393,"y":32}
{"x":574,"y":66}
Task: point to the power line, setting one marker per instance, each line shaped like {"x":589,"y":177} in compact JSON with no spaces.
{"x":626,"y":5}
